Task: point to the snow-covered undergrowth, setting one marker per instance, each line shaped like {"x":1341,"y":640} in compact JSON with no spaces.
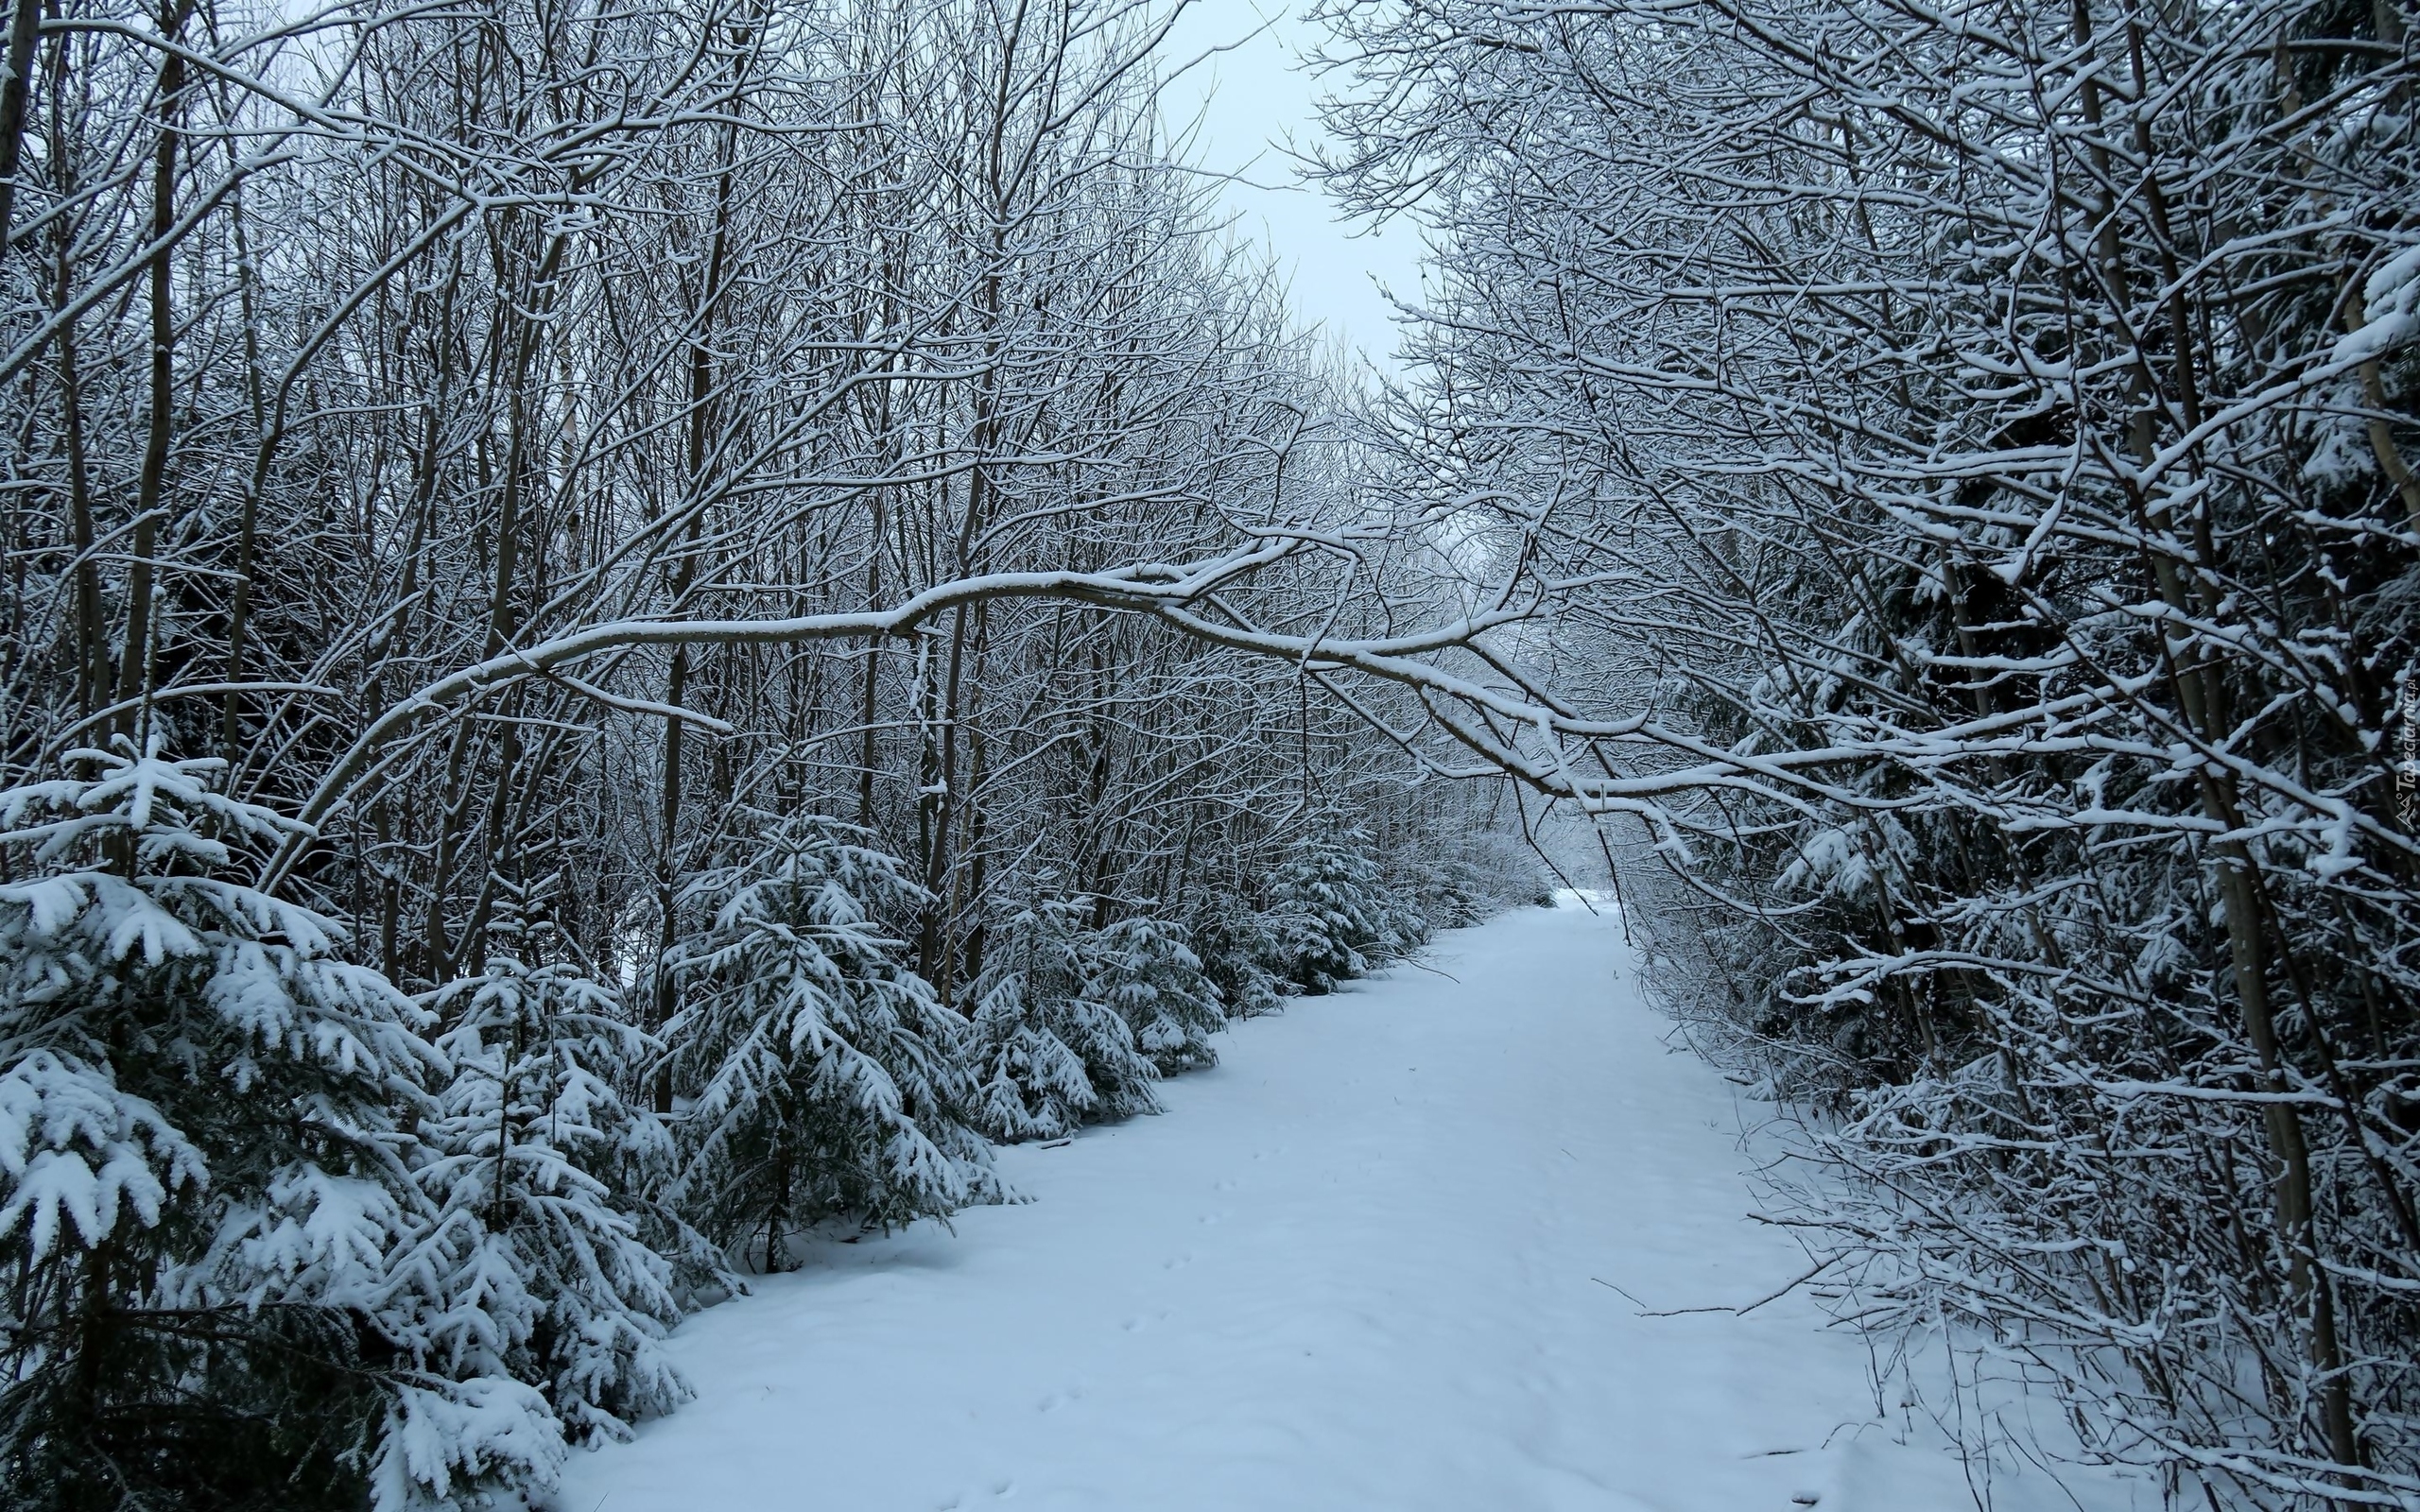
{"x":284,"y":1235}
{"x":1075,"y":1022}
{"x":258,"y":1222}
{"x":1466,"y":1236}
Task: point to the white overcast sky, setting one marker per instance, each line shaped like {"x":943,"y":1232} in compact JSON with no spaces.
{"x":1252,"y":102}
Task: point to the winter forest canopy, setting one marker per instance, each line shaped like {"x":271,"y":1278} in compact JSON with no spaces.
{"x":631,"y":632}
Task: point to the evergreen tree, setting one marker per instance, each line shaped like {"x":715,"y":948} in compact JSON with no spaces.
{"x":219,"y":1293}
{"x":827,"y":1079}
{"x":1332,"y":915}
{"x":1239,"y":953}
{"x":1049,"y":1055}
{"x":535,"y":1154}
{"x":1145,"y":969}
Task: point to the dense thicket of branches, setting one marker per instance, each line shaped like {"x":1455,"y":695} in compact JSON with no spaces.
{"x":626,"y":633}
{"x":577,"y":579}
{"x":1966,"y":453}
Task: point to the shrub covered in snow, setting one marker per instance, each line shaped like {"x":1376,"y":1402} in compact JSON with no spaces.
{"x":227,"y":1285}
{"x":826,"y":1079}
{"x":1050,"y":1053}
{"x":1239,"y":955}
{"x":1143,"y":968}
{"x":535,"y":1156}
{"x":1331,"y":915}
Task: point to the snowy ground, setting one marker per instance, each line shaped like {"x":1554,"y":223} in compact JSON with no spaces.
{"x":1368,"y":1263}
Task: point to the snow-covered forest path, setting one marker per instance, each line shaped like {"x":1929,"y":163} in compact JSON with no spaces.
{"x":1361,"y":1265}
